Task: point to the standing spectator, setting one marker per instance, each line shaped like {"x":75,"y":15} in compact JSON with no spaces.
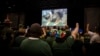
{"x":33,"y":45}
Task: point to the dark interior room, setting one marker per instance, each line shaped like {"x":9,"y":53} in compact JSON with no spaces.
{"x":63,"y":27}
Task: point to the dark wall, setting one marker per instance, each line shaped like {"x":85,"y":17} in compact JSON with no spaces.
{"x":2,"y":16}
{"x":76,"y":15}
{"x":75,"y":11}
{"x":32,"y":9}
{"x":92,"y":16}
{"x":33,"y":17}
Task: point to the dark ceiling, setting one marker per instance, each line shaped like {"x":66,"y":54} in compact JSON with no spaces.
{"x":29,"y":5}
{"x":16,"y":5}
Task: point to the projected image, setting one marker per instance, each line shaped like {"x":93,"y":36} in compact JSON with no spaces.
{"x":54,"y":17}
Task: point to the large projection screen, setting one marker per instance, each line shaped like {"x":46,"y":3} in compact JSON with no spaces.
{"x":54,"y":17}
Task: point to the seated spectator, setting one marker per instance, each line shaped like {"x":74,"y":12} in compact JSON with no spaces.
{"x":77,"y":47}
{"x":7,"y":34}
{"x":20,"y":38}
{"x":50,"y":38}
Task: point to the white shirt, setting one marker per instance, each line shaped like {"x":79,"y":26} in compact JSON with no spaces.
{"x":33,"y":38}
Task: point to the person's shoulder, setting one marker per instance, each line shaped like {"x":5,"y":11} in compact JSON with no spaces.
{"x":25,"y":40}
{"x":70,"y":37}
{"x":96,"y":35}
{"x":48,"y":38}
{"x":43,"y":42}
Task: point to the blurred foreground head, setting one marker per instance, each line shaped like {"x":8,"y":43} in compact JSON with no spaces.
{"x":35,"y":30}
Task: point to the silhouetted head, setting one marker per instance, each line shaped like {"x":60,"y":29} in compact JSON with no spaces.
{"x":35,"y":30}
{"x":21,"y":31}
{"x":21,"y":25}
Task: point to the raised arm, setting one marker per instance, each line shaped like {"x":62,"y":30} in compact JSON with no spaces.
{"x":75,"y":31}
{"x":87,"y":28}
{"x":88,"y":31}
{"x":44,"y":33}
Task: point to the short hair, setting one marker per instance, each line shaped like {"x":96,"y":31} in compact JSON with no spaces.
{"x":36,"y":30}
{"x":21,"y":31}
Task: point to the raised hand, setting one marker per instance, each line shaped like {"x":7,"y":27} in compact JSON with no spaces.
{"x":87,"y":27}
{"x":77,"y":24}
{"x":75,"y":31}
